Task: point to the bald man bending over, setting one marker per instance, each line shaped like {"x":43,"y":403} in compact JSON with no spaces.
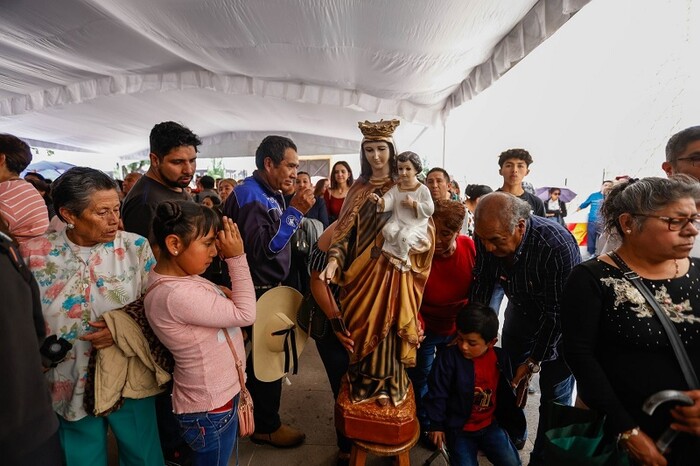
{"x":531,"y":257}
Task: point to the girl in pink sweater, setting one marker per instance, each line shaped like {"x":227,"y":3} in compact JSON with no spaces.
{"x":190,"y":315}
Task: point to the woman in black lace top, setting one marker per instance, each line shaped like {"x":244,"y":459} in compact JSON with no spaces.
{"x":613,"y":341}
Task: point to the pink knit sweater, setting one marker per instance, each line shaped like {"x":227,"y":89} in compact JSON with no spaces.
{"x":188,"y":314}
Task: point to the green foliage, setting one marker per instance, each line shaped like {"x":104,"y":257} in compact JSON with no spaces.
{"x":216,"y":170}
{"x":426,"y":168}
{"x":135,"y":166}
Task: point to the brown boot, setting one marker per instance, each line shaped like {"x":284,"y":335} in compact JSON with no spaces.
{"x":284,"y":437}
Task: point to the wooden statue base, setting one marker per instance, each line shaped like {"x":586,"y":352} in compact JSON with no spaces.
{"x":386,"y":425}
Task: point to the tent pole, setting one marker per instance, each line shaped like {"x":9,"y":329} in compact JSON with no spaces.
{"x":444,"y":142}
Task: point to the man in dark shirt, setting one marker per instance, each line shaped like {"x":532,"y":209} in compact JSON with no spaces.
{"x":206,"y":188}
{"x":267,"y":224}
{"x":173,"y":162}
{"x":531,"y":257}
{"x":515,"y":166}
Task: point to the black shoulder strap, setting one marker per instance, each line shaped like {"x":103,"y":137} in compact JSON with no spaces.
{"x":688,"y":372}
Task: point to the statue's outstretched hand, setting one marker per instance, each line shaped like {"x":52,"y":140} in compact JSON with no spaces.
{"x":330,"y":270}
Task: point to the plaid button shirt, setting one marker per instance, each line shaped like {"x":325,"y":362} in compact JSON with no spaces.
{"x":534,"y":281}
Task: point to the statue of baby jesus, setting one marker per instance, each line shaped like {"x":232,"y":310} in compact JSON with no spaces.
{"x":406,"y":232}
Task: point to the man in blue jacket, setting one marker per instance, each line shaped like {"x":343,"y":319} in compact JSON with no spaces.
{"x":267,"y":224}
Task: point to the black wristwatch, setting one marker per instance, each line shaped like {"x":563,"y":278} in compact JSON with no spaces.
{"x":533,"y":366}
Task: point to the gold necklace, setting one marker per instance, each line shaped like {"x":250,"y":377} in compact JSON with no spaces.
{"x":675,"y":262}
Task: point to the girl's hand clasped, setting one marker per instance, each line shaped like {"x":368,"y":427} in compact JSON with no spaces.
{"x":228,"y":240}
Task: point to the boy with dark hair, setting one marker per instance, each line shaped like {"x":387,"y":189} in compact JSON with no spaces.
{"x":470,"y":401}
{"x":514,"y":167}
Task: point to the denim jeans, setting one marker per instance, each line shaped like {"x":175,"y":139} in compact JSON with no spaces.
{"x":419,"y":374}
{"x":496,"y":298}
{"x":212,"y":436}
{"x":591,"y":236}
{"x":556,"y":380}
{"x":492,"y":440}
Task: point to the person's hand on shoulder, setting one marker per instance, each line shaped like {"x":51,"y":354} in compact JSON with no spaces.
{"x":228,"y":240}
{"x":303,"y":200}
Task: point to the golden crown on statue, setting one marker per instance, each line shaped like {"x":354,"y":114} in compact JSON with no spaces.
{"x":378,"y":129}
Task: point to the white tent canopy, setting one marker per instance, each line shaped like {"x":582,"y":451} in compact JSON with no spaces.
{"x":96,"y":75}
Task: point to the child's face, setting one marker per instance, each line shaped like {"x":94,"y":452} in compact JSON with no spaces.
{"x":472,"y":345}
{"x":407,"y":173}
{"x":196,"y":258}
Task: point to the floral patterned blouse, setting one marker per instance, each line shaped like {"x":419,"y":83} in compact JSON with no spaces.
{"x":77,"y":285}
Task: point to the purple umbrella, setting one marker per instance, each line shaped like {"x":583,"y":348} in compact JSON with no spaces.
{"x":566,"y":194}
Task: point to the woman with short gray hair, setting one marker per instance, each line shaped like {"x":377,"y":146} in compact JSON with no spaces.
{"x":613,"y":340}
{"x":84,"y":272}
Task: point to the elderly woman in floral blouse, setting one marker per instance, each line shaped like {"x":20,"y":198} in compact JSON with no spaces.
{"x":84,"y":271}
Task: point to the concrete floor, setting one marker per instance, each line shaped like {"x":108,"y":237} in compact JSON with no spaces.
{"x":308,"y":405}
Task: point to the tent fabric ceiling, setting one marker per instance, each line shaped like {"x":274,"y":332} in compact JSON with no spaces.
{"x":95,"y":75}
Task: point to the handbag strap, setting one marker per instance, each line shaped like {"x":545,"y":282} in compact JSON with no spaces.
{"x":159,"y":282}
{"x":686,"y":367}
{"x":239,"y":364}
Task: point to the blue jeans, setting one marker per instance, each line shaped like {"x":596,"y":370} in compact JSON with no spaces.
{"x":211,"y":436}
{"x":419,"y":374}
{"x":492,"y":440}
{"x":556,"y":380}
{"x":591,"y":236}
{"x":496,"y":298}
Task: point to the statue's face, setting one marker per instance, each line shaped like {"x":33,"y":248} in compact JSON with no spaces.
{"x":377,"y":154}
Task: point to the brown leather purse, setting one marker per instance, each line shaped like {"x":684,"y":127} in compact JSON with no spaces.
{"x":246,"y":421}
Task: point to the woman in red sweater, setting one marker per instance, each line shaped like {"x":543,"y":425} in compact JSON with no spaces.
{"x":446,"y":291}
{"x":341,"y":180}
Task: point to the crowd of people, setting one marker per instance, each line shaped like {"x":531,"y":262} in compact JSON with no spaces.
{"x":132,"y":301}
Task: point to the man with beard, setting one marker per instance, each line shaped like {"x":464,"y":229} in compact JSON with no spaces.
{"x":173,"y":162}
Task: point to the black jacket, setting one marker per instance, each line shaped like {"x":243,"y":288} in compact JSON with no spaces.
{"x":27,"y":417}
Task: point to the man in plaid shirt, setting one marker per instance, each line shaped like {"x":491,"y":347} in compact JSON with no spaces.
{"x":531,"y":257}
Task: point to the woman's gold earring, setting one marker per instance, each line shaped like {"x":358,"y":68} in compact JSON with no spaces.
{"x":628,"y":231}
{"x":175,"y":253}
